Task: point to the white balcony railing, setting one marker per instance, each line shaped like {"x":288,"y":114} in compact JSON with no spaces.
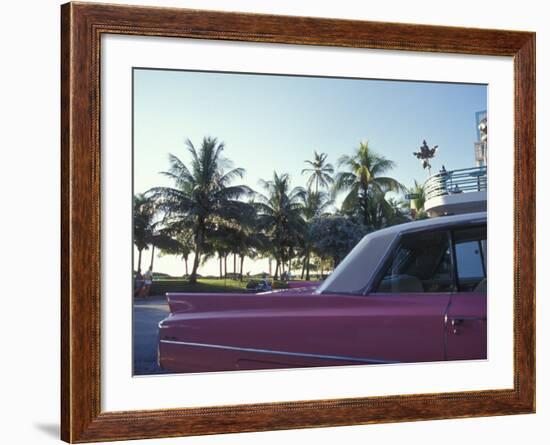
{"x":456,"y":191}
{"x":456,"y":181}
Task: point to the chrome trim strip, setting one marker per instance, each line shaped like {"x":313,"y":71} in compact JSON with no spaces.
{"x":270,"y":351}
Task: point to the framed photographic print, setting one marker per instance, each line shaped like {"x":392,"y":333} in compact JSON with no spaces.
{"x":274,"y":222}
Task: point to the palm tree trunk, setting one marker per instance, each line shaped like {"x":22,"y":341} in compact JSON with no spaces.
{"x":199,"y":238}
{"x":196,"y":259}
{"x":289,"y":262}
{"x":139,"y":260}
{"x":152,"y":257}
{"x":303,"y":268}
{"x":225,"y":265}
{"x":221,"y":265}
{"x":193,"y":276}
{"x":234,"y":265}
{"x":186,"y":266}
{"x":242,"y":263}
{"x":365,"y":205}
{"x":307,"y":266}
{"x":275,"y":277}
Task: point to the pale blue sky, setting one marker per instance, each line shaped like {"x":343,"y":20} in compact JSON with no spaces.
{"x":275,"y":122}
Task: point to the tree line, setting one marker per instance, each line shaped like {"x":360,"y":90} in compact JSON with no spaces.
{"x":207,"y":213}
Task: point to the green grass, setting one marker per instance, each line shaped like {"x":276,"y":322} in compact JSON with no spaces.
{"x":160,"y":287}
{"x":204,"y":285}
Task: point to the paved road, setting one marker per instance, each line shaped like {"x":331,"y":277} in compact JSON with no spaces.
{"x":147,"y":314}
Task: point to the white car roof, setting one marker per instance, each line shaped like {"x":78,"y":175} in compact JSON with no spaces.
{"x":432,"y":222}
{"x":357,"y":270}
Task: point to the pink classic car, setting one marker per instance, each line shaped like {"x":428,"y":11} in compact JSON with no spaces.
{"x":415,"y":292}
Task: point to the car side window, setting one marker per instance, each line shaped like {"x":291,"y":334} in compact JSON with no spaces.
{"x":471,"y":259}
{"x":421,"y":263}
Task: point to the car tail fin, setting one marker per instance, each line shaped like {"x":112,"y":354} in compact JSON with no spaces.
{"x":179,"y":303}
{"x":195,"y":302}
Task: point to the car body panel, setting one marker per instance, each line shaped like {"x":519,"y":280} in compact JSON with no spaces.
{"x":466,"y":327}
{"x":318,"y":325}
{"x":244,"y":331}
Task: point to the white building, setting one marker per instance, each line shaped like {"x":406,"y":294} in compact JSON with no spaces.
{"x":464,"y":190}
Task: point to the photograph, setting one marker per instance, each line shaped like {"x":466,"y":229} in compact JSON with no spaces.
{"x":291,"y":221}
{"x":278,"y":219}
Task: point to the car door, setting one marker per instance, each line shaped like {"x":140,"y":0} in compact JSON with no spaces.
{"x":406,"y":308}
{"x":466,"y":327}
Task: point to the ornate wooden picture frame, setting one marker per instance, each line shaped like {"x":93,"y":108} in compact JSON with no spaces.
{"x":82,"y":25}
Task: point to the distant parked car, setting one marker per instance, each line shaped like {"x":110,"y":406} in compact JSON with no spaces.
{"x":414,"y":292}
{"x":263,"y":286}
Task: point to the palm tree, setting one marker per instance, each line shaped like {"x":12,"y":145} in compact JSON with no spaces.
{"x":314,"y":205}
{"x":143,"y":215}
{"x":280,"y":216}
{"x":320,"y":171}
{"x":163,"y":240}
{"x":242,"y":241}
{"x":419,"y":199}
{"x":185,"y":248}
{"x":202,"y":193}
{"x":397,"y":211}
{"x":362,"y":180}
{"x":248,"y":239}
{"x":179,"y":242}
{"x":383,"y":211}
{"x":148,"y":230}
{"x":218,"y":245}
